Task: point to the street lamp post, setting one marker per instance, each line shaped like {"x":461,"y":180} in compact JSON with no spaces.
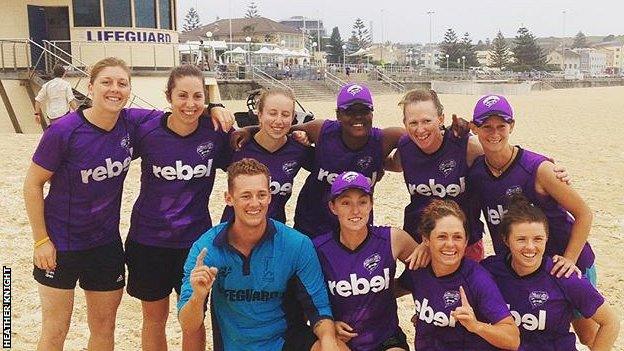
{"x":314,"y":45}
{"x":344,"y":56}
{"x":463,"y":63}
{"x":209,"y":36}
{"x":248,"y":40}
{"x":447,"y":57}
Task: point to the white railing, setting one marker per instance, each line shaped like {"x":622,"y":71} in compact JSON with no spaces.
{"x":20,"y":54}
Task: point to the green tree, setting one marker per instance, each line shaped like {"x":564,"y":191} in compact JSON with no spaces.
{"x":580,"y":41}
{"x":334,"y":47}
{"x":467,"y":50}
{"x":191,"y":20}
{"x":360,"y":36}
{"x":252,"y":10}
{"x":608,"y":38}
{"x":500,"y":52}
{"x":527,"y":53}
{"x":452,"y":47}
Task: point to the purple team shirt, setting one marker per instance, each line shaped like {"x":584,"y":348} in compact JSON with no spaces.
{"x":332,"y":157}
{"x":360,"y":285}
{"x":542,"y":305}
{"x":283,"y":165}
{"x":90,"y":164}
{"x":440,"y":175}
{"x":177,"y":176}
{"x":435,"y":298}
{"x":493,"y":192}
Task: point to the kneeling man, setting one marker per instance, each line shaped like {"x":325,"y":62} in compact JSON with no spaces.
{"x":254,"y":267}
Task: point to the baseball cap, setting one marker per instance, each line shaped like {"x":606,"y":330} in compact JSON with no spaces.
{"x":350,"y":180}
{"x":490,"y":105}
{"x":354,"y":93}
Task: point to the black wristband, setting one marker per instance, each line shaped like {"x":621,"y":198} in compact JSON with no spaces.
{"x":211,"y":105}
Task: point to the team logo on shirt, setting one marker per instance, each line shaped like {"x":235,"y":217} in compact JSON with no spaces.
{"x":364,"y":162}
{"x":354,"y":89}
{"x":450,"y":297}
{"x":372,"y":262}
{"x":204,"y":149}
{"x":289,"y":167}
{"x":516,"y":189}
{"x":538,"y":298}
{"x":491,"y":100}
{"x":447,"y":167}
{"x":224,"y":271}
{"x":125,"y":142}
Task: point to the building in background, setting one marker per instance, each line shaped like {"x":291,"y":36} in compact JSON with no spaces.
{"x":614,"y":51}
{"x":592,"y":62}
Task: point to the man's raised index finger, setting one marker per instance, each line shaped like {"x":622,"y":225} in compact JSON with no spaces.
{"x":201,"y":257}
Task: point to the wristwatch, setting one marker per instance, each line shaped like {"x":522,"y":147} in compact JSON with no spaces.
{"x":211,"y":105}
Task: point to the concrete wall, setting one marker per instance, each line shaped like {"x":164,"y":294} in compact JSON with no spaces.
{"x":480,"y":88}
{"x":237,"y":90}
{"x":566,"y":84}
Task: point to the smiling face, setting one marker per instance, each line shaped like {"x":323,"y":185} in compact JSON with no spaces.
{"x":250,"y":197}
{"x":276,"y":116}
{"x":447,"y":244}
{"x":527,"y":243}
{"x":110,"y":89}
{"x":353,"y":208}
{"x":494,"y":134}
{"x":356,"y":121}
{"x":423,"y":125}
{"x":187,"y":100}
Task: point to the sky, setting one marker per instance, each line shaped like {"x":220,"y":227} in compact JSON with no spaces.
{"x":406,"y":21}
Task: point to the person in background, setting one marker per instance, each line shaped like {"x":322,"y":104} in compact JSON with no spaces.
{"x":56,"y":97}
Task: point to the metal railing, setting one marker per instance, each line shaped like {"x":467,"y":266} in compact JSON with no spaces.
{"x":153,"y":56}
{"x":50,"y":56}
{"x":333,"y":82}
{"x":389,"y":81}
{"x":259,"y":74}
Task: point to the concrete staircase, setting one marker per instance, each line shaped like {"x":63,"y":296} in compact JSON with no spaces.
{"x":306,"y":90}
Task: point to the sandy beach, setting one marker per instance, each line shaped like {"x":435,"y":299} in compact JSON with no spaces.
{"x":576,"y":127}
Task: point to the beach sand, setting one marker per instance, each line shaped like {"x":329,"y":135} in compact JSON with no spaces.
{"x":577,"y":127}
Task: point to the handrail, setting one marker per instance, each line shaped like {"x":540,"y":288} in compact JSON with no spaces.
{"x":393,"y":83}
{"x":255,"y":71}
{"x":44,"y":51}
{"x":334,"y":80}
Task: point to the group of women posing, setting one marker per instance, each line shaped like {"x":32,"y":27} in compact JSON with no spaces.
{"x":86,"y":155}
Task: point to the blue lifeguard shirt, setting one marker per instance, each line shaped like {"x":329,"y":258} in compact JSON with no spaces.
{"x":248,"y":304}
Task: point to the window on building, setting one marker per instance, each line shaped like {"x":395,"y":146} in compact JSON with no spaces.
{"x":87,"y":13}
{"x":165,"y":14}
{"x":117,"y":13}
{"x":145,"y":13}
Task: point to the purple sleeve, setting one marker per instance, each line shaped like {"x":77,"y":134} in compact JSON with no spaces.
{"x":51,"y":149}
{"x":137,"y":116}
{"x":225,"y":157}
{"x":489,"y":302}
{"x":582,"y":295}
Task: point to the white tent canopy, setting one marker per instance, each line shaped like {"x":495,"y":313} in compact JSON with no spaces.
{"x":264,"y":51}
{"x":361,"y":52}
{"x":237,"y":50}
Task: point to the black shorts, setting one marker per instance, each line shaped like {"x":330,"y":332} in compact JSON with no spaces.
{"x":153,"y":272}
{"x":397,"y":340}
{"x":97,"y":269}
{"x":299,"y":338}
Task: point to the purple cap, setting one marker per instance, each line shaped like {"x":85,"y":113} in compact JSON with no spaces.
{"x":350,"y":180}
{"x":354,"y":93}
{"x":492,"y":105}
